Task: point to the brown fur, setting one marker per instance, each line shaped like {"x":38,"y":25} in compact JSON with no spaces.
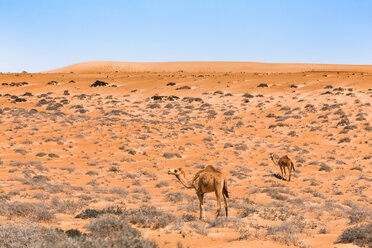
{"x":284,"y":162}
{"x":205,"y":181}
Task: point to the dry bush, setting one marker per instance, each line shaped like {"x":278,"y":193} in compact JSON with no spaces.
{"x":229,"y":222}
{"x":358,"y":213}
{"x":35,"y":211}
{"x":28,"y":235}
{"x":162,"y":184}
{"x":276,"y":214}
{"x":359,"y":235}
{"x":149,"y":217}
{"x":94,"y":213}
{"x":199,"y":227}
{"x":107,"y":231}
{"x":66,"y":206}
{"x":286,"y":233}
{"x":177,"y":196}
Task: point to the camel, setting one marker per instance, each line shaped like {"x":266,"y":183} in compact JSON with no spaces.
{"x":205,"y":181}
{"x":284,"y":162}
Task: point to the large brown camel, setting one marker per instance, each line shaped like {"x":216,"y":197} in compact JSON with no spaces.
{"x":284,"y":162}
{"x":205,"y":181}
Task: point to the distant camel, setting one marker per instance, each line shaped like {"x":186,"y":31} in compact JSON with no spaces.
{"x":207,"y":180}
{"x":284,"y":162}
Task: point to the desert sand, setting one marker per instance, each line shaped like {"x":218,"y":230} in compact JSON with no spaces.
{"x":67,"y":147}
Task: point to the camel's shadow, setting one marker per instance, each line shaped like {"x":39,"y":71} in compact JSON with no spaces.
{"x":278,"y":176}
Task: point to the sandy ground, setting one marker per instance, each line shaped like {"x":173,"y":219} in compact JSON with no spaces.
{"x":69,"y":147}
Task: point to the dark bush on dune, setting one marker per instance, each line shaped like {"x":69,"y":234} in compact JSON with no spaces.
{"x":18,"y":84}
{"x":98,"y":83}
{"x":184,"y":88}
{"x":247,"y":95}
{"x":171,"y":155}
{"x":359,"y":235}
{"x":94,"y":213}
{"x":165,"y":98}
{"x":325,"y":168}
{"x":192,"y":99}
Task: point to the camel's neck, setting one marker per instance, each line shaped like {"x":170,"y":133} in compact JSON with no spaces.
{"x":274,"y":160}
{"x":184,"y":182}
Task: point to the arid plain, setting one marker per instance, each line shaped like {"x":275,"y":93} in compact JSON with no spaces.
{"x":73,"y":155}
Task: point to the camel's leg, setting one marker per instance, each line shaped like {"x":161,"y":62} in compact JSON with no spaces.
{"x":281,"y":170}
{"x":218,"y":196}
{"x":226,"y":205}
{"x":201,"y":205}
{"x":289,"y":170}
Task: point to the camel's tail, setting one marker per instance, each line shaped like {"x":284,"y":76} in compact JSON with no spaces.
{"x":224,"y":190}
{"x":292,"y":166}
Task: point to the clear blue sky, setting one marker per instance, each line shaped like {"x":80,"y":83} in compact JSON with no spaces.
{"x":38,"y":35}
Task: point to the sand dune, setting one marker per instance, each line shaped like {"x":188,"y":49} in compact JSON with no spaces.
{"x":112,"y":66}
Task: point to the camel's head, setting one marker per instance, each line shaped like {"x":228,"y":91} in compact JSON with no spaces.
{"x":272,"y":155}
{"x":175,"y":172}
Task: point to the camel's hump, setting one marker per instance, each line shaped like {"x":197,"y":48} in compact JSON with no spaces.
{"x":210,"y":168}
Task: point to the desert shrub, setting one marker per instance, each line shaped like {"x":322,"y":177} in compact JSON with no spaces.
{"x":171,"y":155}
{"x":32,"y":210}
{"x":162,"y":184}
{"x":292,"y":133}
{"x":184,"y":88}
{"x":358,"y":213}
{"x":359,"y":235}
{"x":73,"y":233}
{"x":247,"y":95}
{"x":107,"y":231}
{"x":28,"y":235}
{"x":106,"y":224}
{"x":110,"y":232}
{"x":344,"y":140}
{"x":241,"y":147}
{"x":119,"y":190}
{"x":149,"y":217}
{"x":247,"y":211}
{"x":154,"y":105}
{"x":98,"y":83}
{"x":20,"y":151}
{"x":262,"y":85}
{"x":229,"y":113}
{"x":229,"y":222}
{"x":286,"y":233}
{"x":325,"y":168}
{"x":199,"y":227}
{"x":66,"y":205}
{"x":177,"y":196}
{"x":227,"y":145}
{"x":91,"y":173}
{"x":276,"y":214}
{"x":188,"y":217}
{"x":94,"y":213}
{"x":53,"y":155}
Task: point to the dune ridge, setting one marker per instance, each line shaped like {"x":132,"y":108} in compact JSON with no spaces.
{"x":249,"y":67}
